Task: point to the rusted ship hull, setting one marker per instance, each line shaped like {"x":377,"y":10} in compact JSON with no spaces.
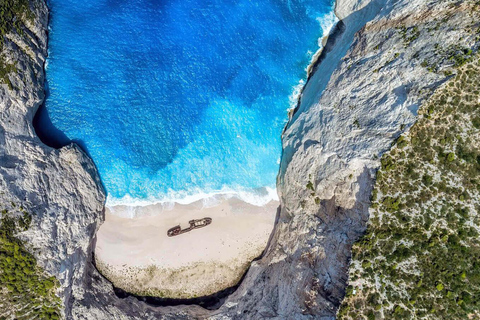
{"x":194,"y":224}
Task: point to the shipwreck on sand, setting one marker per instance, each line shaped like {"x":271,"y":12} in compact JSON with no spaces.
{"x":194,"y":224}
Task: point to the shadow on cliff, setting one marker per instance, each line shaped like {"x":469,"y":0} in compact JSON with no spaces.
{"x":46,"y":130}
{"x":338,"y":43}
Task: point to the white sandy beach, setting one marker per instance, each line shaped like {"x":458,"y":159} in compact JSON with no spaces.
{"x":137,"y":255}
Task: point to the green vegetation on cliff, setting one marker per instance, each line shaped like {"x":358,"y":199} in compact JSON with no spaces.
{"x":420,"y":256}
{"x":13,"y":14}
{"x":5,"y":70}
{"x":25,"y":292}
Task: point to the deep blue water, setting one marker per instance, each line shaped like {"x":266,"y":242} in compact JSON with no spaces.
{"x":179,"y":97}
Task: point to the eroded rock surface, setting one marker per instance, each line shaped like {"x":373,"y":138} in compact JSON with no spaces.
{"x":60,"y":188}
{"x":384,"y":59}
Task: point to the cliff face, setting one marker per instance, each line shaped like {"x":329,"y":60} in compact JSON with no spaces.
{"x":382,"y":60}
{"x":60,"y":188}
{"x":364,"y":93}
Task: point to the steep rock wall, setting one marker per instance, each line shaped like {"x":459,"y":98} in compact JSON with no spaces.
{"x":60,"y":188}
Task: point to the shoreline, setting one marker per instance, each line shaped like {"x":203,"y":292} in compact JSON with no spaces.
{"x":331,"y":19}
{"x":311,"y":67}
{"x":256,"y":197}
{"x":136,"y":255}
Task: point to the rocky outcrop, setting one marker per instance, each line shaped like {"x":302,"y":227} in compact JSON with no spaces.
{"x":364,"y":93}
{"x":60,"y":188}
{"x":383,"y":59}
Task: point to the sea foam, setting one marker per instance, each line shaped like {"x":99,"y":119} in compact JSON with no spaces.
{"x":327,"y":22}
{"x":259,"y":197}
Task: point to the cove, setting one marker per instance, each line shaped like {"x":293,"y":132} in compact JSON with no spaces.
{"x":178,"y":100}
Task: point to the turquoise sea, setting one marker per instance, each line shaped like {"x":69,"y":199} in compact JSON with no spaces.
{"x":176,"y":100}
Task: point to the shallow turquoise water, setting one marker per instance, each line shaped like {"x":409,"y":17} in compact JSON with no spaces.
{"x":178,"y":99}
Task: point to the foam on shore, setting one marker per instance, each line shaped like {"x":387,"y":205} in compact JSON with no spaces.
{"x":327,"y":22}
{"x":129,"y":207}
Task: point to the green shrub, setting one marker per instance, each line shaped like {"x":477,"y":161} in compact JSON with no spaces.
{"x":310,"y":186}
{"x":5,"y":70}
{"x":27,"y":287}
{"x":476,"y":122}
{"x":451,"y":157}
{"x":387,"y":163}
{"x":13,"y":14}
{"x":349,"y":291}
{"x":370,"y":315}
{"x":427,"y":180}
{"x":391,"y":204}
{"x":402,"y":142}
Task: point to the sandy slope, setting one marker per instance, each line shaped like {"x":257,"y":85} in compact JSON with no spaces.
{"x":137,"y":255}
